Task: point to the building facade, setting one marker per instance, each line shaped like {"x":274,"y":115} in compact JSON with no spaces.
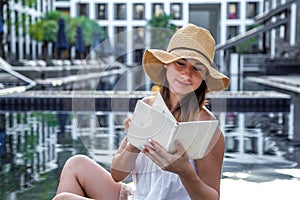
{"x":17,"y":16}
{"x":224,"y":18}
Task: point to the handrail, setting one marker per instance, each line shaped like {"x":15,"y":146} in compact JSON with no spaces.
{"x":253,"y":32}
{"x":4,"y":65}
{"x":261,"y":18}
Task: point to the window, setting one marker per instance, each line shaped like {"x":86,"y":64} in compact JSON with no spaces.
{"x":157,"y":9}
{"x":138,"y":56}
{"x":64,"y":10}
{"x":139,"y":35}
{"x":120,"y":43}
{"x":138,"y":44}
{"x":138,"y":11}
{"x":101,"y":11}
{"x":120,"y":11}
{"x":105,"y":30}
{"x":252,"y":9}
{"x":120,"y":34}
{"x":232,"y":31}
{"x":233,"y":11}
{"x":176,"y":10}
{"x":83,"y":9}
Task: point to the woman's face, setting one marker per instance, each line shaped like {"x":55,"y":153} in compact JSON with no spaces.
{"x":185,"y":76}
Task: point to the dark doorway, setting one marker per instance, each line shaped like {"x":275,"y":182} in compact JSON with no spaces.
{"x":206,"y":16}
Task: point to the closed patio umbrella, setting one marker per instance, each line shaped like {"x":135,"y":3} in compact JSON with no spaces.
{"x":61,"y":37}
{"x":1,"y":27}
{"x":80,"y":48}
{"x":96,"y":42}
{"x":2,"y":53}
{"x":61,"y":43}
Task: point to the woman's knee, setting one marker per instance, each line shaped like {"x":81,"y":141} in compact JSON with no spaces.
{"x":63,"y":195}
{"x":77,"y":160}
{"x":68,"y":196}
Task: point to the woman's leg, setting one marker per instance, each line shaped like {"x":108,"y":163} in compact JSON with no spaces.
{"x":69,"y":196}
{"x":84,"y":177}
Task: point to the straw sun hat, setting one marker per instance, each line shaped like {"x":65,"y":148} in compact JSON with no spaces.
{"x":189,"y":41}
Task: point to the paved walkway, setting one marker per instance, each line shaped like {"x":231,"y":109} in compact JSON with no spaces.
{"x":290,"y":83}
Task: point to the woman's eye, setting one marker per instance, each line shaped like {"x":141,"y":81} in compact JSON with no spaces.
{"x":180,"y":63}
{"x":200,"y":69}
{"x":197,"y":69}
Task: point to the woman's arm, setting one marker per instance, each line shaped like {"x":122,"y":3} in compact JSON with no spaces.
{"x":124,"y":160}
{"x":206,"y":185}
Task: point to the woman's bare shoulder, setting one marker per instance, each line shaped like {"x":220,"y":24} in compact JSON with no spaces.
{"x":148,"y":99}
{"x":205,"y":114}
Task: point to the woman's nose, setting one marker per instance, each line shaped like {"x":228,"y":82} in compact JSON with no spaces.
{"x":187,"y":71}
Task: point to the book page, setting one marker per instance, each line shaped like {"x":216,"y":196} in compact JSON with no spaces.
{"x":160,"y":105}
{"x":147,"y":123}
{"x":157,"y":124}
{"x":195,"y":137}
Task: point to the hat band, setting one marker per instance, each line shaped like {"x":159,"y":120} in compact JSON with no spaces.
{"x":199,"y":52}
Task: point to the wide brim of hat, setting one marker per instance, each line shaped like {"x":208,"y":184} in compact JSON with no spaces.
{"x":154,"y":60}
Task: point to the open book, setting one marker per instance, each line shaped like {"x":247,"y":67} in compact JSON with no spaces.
{"x":159,"y":124}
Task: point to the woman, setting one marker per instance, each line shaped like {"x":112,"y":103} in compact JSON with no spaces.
{"x":183,"y":74}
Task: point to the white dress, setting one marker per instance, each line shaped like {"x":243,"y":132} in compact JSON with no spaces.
{"x":152,"y":183}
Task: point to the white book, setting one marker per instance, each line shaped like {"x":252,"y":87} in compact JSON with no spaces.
{"x":159,"y":124}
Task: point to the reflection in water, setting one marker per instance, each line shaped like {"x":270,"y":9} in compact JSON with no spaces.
{"x":35,"y":145}
{"x":30,"y":155}
{"x":251,"y":133}
{"x":101,"y":133}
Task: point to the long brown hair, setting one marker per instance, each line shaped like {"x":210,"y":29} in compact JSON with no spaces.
{"x":188,"y":107}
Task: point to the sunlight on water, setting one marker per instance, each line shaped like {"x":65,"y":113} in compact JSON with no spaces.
{"x":273,"y":190}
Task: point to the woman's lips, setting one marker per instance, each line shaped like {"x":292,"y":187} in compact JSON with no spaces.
{"x":183,"y":82}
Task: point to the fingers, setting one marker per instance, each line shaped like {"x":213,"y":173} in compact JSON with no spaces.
{"x":127,"y":123}
{"x":158,"y":148}
{"x":158,"y":154}
{"x":180,"y":149}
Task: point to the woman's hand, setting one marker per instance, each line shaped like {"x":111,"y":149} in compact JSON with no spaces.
{"x":175,"y":163}
{"x":124,"y":160}
{"x":129,"y":146}
{"x":127,"y":123}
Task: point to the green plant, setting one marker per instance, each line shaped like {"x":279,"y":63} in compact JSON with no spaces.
{"x":89,"y":27}
{"x":248,"y":45}
{"x":45,"y":29}
{"x":161,"y":30}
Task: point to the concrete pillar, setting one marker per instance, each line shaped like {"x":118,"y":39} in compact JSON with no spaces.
{"x":93,"y":122}
{"x":13,"y":32}
{"x":27,"y":38}
{"x":92,"y":11}
{"x":129,"y":36}
{"x":20,"y":36}
{"x":234,"y":72}
{"x":296,"y":124}
{"x":297,"y":21}
{"x":293,"y":24}
{"x":111,"y":131}
{"x":241,"y":131}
